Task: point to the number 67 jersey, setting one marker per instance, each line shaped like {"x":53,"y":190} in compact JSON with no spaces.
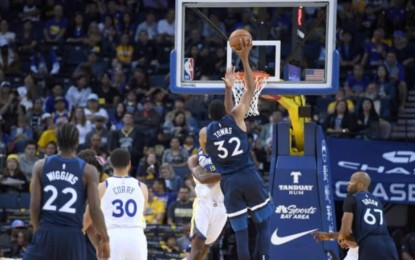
{"x":228,"y":146}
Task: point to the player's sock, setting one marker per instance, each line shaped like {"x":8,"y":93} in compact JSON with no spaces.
{"x":262,"y":244}
{"x":242,"y":244}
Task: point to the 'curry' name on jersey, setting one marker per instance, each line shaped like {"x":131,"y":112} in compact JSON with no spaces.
{"x":62,"y":176}
{"x":223,"y":131}
{"x":123,"y":189}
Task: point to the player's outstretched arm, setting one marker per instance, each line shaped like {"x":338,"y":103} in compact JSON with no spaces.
{"x":91,"y":180}
{"x":36,"y":194}
{"x":229,"y":80}
{"x":323,"y":236}
{"x":199,"y":173}
{"x":242,"y":108}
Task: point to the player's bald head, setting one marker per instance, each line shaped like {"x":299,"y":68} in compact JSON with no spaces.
{"x":363,"y":178}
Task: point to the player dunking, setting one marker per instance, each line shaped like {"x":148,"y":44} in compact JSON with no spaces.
{"x":363,"y":217}
{"x":60,"y":186}
{"x":209,"y":213}
{"x":226,"y":142}
{"x":123,"y":201}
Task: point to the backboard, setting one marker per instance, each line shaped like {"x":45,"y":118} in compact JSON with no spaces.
{"x":294,"y":42}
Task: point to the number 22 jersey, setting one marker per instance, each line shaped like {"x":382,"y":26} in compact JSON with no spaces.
{"x":228,"y":146}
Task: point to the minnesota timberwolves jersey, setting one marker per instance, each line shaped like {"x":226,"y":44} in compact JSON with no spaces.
{"x":123,"y":203}
{"x":368,"y":216}
{"x":63,"y":192}
{"x":228,"y":146}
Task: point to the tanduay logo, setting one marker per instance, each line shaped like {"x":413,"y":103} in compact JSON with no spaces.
{"x":295,"y":188}
{"x":399,"y":156}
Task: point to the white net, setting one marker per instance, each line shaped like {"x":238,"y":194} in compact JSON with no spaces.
{"x":239,"y":88}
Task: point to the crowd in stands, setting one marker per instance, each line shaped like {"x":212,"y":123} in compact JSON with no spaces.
{"x":104,"y":66}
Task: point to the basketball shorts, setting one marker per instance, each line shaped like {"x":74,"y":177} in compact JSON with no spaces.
{"x":352,"y":254}
{"x":244,"y":193}
{"x":128,"y":243}
{"x":208,"y":220}
{"x":56,"y":243}
{"x":379,"y":247}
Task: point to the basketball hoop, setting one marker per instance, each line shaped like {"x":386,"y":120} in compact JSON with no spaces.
{"x":238,"y":89}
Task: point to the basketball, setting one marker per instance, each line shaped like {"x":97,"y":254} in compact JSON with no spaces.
{"x":234,"y":39}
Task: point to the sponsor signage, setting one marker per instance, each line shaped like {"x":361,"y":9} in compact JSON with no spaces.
{"x":391,"y":165}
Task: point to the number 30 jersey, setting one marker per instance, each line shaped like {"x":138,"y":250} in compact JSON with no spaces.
{"x":368,"y":217}
{"x":123,"y":203}
{"x":63,"y":192}
{"x":228,"y":146}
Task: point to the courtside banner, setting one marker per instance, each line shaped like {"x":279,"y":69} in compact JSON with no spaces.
{"x":391,"y":165}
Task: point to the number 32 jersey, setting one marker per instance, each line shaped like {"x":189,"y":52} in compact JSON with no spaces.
{"x":123,"y":203}
{"x":228,"y":146}
{"x":368,"y":217}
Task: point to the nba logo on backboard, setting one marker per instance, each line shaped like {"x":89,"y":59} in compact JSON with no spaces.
{"x":188,"y":68}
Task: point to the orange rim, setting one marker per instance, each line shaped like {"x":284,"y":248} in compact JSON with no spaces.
{"x":259,"y":77}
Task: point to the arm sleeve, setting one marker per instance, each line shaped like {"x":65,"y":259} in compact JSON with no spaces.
{"x":349,"y":204}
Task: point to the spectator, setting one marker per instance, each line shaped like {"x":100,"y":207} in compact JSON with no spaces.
{"x":375,"y":50}
{"x":20,"y":135}
{"x":28,"y":92}
{"x":60,"y":109}
{"x":405,"y":54}
{"x":51,"y":149}
{"x":145,"y":52}
{"x":109,"y":95}
{"x":56,"y":91}
{"x":9,"y":61}
{"x":397,"y":75}
{"x":94,"y":142}
{"x":161,"y":192}
{"x":93,"y":38}
{"x":179,"y":105}
{"x":148,"y":167}
{"x":100,"y":129}
{"x":93,"y":108}
{"x":340,"y":95}
{"x":30,"y":12}
{"x":55,"y":28}
{"x":147,"y":120}
{"x":34,"y":117}
{"x":12,"y":179}
{"x":387,"y":94}
{"x":44,"y":61}
{"x":180,"y":211}
{"x":27,"y":39}
{"x":173,"y":182}
{"x":139,"y":83}
{"x":125,"y":51}
{"x":126,"y":25}
{"x":155,"y":210}
{"x":368,"y":120}
{"x":49,"y":134}
{"x":176,"y":155}
{"x":77,"y":29}
{"x":28,"y":158}
{"x":5,"y":34}
{"x":190,"y":145}
{"x":84,"y":126}
{"x":178,"y":127}
{"x":166,"y":29}
{"x":408,"y":246}
{"x":149,"y":26}
{"x":118,"y":79}
{"x":349,"y":52}
{"x":116,"y":119}
{"x":77,"y":95}
{"x":10,"y":108}
{"x":170,"y":244}
{"x":131,"y":102}
{"x":341,"y":122}
{"x":23,"y":239}
{"x":160,"y":98}
{"x":265,"y":137}
{"x":128,"y":137}
{"x":357,"y":82}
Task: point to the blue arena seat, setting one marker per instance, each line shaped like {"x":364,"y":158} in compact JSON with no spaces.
{"x":9,"y":201}
{"x":24,"y":200}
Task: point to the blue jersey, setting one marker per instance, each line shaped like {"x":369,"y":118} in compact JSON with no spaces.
{"x":63,"y":192}
{"x":368,"y":217}
{"x":228,"y":146}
